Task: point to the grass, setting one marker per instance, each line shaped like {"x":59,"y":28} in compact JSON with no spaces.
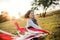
{"x":48,"y":23}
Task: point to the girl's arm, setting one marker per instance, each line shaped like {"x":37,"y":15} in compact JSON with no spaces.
{"x":30,"y":22}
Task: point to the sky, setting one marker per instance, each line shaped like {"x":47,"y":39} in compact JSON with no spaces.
{"x":14,"y":7}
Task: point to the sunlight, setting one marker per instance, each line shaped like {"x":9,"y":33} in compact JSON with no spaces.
{"x":14,"y":7}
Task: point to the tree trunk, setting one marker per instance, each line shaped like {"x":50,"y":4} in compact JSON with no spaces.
{"x":44,"y":14}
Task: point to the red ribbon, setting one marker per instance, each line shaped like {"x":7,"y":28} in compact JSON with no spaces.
{"x":5,"y":37}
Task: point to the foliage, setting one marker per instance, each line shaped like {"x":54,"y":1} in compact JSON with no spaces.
{"x":45,"y":3}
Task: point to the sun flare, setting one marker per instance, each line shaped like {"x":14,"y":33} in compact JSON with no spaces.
{"x":14,"y":7}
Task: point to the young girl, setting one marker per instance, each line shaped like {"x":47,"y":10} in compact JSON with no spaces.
{"x":31,"y":26}
{"x":31,"y":22}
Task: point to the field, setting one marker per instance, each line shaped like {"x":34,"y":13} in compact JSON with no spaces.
{"x":49,"y":23}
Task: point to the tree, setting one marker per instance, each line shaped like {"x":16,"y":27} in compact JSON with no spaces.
{"x":45,"y":3}
{"x":4,"y":17}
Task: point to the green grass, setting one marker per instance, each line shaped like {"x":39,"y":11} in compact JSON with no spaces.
{"x":48,"y":23}
{"x":9,"y":26}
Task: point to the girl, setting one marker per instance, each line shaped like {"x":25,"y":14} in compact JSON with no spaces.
{"x":32,"y":20}
{"x":32,"y":23}
{"x":31,"y":26}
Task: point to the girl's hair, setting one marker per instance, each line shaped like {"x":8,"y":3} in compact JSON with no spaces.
{"x":28,"y":13}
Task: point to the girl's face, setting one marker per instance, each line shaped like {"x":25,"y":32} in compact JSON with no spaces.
{"x":31,"y":15}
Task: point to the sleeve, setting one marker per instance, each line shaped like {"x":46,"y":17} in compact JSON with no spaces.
{"x":30,"y":22}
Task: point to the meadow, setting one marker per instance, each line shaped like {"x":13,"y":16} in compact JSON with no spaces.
{"x":49,"y":23}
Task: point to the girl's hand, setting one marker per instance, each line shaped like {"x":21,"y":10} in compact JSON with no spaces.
{"x":22,"y":33}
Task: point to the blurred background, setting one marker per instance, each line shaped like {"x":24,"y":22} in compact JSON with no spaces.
{"x":47,"y":13}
